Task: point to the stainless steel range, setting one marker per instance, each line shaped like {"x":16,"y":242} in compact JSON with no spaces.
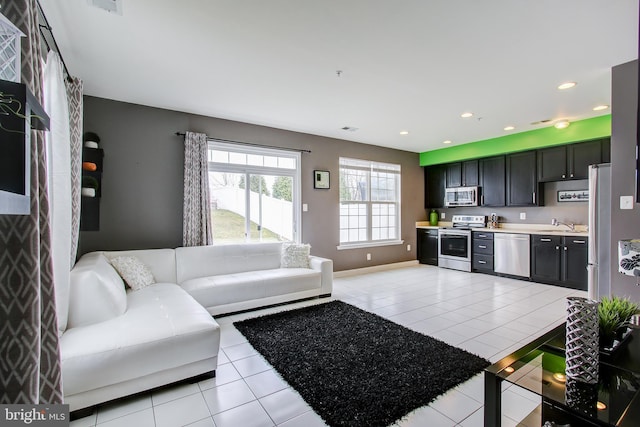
{"x":454,"y":243}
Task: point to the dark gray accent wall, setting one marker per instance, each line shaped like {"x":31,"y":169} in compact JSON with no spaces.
{"x":141,"y":204}
{"x":625,"y":224}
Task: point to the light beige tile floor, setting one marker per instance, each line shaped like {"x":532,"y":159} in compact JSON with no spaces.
{"x":486,"y":315}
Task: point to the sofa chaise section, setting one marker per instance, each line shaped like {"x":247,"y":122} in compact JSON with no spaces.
{"x":162,"y":336}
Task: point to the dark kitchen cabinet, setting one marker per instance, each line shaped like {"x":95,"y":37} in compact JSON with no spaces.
{"x":491,"y":171}
{"x":546,"y":259}
{"x":581,"y":155}
{"x":428,"y":246}
{"x":482,"y":252}
{"x":559,"y":260}
{"x":571,"y":161}
{"x":574,"y":260}
{"x":552,"y":164}
{"x":522,"y":183}
{"x":462,"y":174}
{"x":434,"y":185}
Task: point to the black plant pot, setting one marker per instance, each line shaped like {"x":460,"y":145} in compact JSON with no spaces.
{"x":610,"y":346}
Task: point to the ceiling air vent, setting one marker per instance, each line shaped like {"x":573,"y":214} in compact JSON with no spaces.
{"x":350,"y":128}
{"x":112,"y":6}
{"x":540,"y":122}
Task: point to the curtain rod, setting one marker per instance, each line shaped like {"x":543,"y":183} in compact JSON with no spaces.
{"x":47,"y":27}
{"x":209,"y":138}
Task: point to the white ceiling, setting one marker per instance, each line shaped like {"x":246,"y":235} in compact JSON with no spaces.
{"x":412,"y":65}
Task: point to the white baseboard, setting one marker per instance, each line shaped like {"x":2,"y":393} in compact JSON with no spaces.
{"x":375,"y":268}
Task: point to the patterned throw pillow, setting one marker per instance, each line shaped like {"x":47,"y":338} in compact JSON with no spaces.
{"x":136,"y":274}
{"x":295,"y":255}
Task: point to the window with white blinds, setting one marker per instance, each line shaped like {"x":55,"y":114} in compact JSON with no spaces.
{"x":369,"y":203}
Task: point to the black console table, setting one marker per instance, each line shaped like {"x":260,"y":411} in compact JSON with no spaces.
{"x":540,"y":366}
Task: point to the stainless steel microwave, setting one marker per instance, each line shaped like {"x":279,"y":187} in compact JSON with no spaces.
{"x":461,"y":196}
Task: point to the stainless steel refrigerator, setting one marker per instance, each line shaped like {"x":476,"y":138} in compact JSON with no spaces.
{"x":599,"y":261}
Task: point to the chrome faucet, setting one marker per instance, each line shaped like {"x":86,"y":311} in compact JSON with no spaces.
{"x":555,"y":223}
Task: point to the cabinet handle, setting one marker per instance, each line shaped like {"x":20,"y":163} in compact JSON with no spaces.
{"x":534,"y":197}
{"x":483,"y":236}
{"x":482,"y":262}
{"x":571,"y":175}
{"x":482,"y":199}
{"x":579,"y":241}
{"x":433,"y":237}
{"x":564,"y":176}
{"x":545,"y":240}
{"x":482,"y":246}
{"x":557,"y":247}
{"x":565,"y":248}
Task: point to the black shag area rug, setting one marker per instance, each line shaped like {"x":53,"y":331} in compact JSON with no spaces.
{"x":356,"y":368}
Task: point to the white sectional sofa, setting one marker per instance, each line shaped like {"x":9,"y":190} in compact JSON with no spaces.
{"x":231,"y":278}
{"x":119,"y":342}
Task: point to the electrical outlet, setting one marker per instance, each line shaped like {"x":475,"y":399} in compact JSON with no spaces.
{"x":368,"y":257}
{"x":523,"y":215}
{"x":442,"y":215}
{"x":408,"y":248}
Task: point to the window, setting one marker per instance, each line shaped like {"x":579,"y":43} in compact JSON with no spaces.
{"x":369,"y":203}
{"x":254,"y":193}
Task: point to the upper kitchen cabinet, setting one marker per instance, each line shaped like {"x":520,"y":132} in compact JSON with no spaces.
{"x":462,"y":174}
{"x":434,"y":185}
{"x":522,"y":183}
{"x":569,"y":162}
{"x":491,"y":172}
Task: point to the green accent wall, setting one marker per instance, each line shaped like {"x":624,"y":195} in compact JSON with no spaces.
{"x":582,"y":130}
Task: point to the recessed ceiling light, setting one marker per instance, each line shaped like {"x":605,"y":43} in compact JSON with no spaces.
{"x":600,"y":107}
{"x":446,"y":142}
{"x":566,"y":85}
{"x":509,"y":128}
{"x":349,"y":128}
{"x":466,"y":115}
{"x":404,"y":132}
{"x":562,"y":124}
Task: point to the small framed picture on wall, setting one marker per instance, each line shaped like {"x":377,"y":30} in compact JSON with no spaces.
{"x":320,"y":179}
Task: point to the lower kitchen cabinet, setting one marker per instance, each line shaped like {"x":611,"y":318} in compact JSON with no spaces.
{"x":482,"y":252}
{"x":428,"y":246}
{"x":559,"y":260}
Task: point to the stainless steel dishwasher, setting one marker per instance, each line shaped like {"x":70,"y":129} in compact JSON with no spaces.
{"x":511,"y":254}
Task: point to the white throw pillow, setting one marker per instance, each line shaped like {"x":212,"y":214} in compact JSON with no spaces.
{"x":294,"y":255}
{"x":134,"y":272}
{"x":96,"y":291}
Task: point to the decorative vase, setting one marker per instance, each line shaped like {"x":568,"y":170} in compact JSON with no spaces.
{"x":581,"y":397}
{"x":582,"y":342}
{"x":433,"y":217}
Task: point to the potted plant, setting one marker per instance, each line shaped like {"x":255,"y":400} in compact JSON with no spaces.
{"x":614,"y":315}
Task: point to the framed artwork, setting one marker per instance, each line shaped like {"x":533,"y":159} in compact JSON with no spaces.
{"x":320,"y":179}
{"x":573,"y":196}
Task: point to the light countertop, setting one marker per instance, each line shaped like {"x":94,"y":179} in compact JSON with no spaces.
{"x":546,"y":229}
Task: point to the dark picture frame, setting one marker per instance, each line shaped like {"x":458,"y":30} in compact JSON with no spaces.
{"x":321,"y":179}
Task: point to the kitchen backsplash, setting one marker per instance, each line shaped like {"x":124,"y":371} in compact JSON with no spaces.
{"x":573,"y":212}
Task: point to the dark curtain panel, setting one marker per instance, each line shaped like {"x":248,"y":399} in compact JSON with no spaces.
{"x":29,"y":347}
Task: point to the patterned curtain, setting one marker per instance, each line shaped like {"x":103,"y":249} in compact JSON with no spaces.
{"x":29,"y":347}
{"x":196,"y":216}
{"x":74,"y":96}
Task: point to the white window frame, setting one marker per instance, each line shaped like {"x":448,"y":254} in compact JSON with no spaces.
{"x":368,"y":166}
{"x":265,"y":170}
